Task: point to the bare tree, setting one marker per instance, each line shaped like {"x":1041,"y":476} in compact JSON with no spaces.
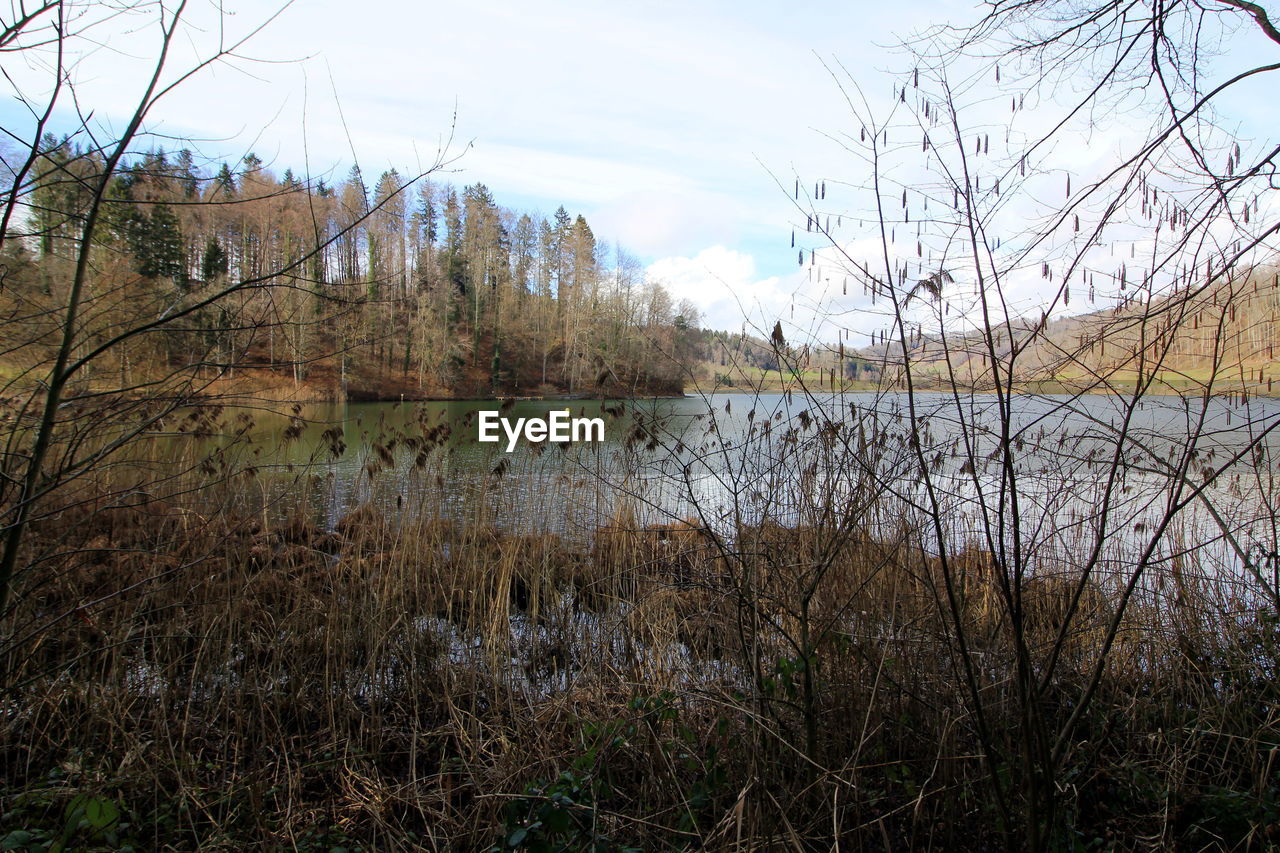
{"x":984,"y":239}
{"x":71,"y":417}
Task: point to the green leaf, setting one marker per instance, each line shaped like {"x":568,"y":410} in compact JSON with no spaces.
{"x":558,"y":821}
{"x":17,"y":839}
{"x":101,"y":813}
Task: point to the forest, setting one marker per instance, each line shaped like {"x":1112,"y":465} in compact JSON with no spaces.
{"x":406,"y":289}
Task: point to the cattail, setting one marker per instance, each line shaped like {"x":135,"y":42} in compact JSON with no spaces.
{"x":915,"y":81}
{"x":793,"y":238}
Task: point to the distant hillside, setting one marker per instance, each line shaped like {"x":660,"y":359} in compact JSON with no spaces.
{"x":1222,"y":339}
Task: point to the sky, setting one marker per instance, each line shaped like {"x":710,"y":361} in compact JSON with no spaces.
{"x":677,"y":128}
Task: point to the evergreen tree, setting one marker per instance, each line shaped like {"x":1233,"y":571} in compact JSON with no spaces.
{"x":215,"y":260}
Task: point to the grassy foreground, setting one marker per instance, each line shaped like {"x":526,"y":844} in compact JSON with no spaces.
{"x":438,"y":686}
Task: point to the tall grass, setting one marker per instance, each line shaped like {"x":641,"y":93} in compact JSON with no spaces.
{"x":220,"y":669}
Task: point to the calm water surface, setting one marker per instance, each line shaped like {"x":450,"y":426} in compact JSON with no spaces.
{"x":735,"y":458}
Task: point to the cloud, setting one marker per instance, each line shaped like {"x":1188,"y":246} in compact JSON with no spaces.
{"x":812,"y":303}
{"x":722,"y":282}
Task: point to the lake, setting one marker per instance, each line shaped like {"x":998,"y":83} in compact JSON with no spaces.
{"x":733,"y":459}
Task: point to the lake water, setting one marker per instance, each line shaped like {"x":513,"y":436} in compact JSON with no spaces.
{"x":732,"y":459}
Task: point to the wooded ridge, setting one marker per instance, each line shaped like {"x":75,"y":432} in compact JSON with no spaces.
{"x":291,"y":287}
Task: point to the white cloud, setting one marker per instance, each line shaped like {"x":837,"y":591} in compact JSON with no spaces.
{"x":812,"y":303}
{"x":723,"y":284}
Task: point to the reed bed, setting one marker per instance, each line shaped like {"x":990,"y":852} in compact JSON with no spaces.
{"x":212,"y":666}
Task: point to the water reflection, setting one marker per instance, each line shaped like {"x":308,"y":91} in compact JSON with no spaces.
{"x":1084,"y":469}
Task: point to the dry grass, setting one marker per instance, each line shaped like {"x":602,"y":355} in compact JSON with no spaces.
{"x":237,"y":679}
